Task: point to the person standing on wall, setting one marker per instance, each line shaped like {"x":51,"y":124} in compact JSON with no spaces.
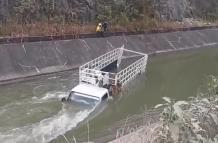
{"x":105,"y":26}
{"x":99,"y":30}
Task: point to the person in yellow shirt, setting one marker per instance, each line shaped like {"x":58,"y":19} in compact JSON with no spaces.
{"x":99,"y":30}
{"x":99,"y":27}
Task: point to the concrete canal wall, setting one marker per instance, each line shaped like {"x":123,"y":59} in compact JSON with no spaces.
{"x":19,"y":60}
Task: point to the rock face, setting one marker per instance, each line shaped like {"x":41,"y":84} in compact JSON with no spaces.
{"x":171,"y":9}
{"x":82,"y":10}
{"x":180,"y":9}
{"x":86,"y":10}
{"x":205,"y":8}
{"x":4,"y":12}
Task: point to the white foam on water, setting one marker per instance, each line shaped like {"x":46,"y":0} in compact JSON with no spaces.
{"x":21,"y":113}
{"x":34,"y":100}
{"x":47,"y":129}
{"x":2,"y":111}
{"x":49,"y":96}
{"x":56,"y":95}
{"x":12,"y":104}
{"x":46,"y":97}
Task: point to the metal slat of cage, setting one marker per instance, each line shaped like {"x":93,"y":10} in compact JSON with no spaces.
{"x":91,"y":76}
{"x":123,"y":76}
{"x":86,"y":78}
{"x":130,"y":72}
{"x":103,"y":60}
{"x":107,"y":59}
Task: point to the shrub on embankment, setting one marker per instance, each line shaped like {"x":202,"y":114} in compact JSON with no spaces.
{"x":193,"y":121}
{"x":57,"y":17}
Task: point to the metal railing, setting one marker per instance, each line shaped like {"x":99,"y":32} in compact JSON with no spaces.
{"x":91,"y":72}
{"x":104,"y":60}
{"x":130,"y":72}
{"x":93,"y":76}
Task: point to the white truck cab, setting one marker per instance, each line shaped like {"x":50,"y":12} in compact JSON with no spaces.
{"x":87,"y":93}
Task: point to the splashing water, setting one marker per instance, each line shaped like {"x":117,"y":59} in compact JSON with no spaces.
{"x":46,"y":129}
{"x":51,"y":95}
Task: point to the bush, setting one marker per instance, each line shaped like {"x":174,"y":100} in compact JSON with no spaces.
{"x":192,"y":121}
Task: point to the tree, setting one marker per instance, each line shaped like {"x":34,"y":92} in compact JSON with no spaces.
{"x":25,"y":10}
{"x":192,"y":121}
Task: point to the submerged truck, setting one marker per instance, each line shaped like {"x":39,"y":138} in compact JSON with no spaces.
{"x":107,"y":74}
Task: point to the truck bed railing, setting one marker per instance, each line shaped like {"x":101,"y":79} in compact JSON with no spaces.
{"x":91,"y":72}
{"x":130,"y":72}
{"x":104,"y":60}
{"x":93,"y":76}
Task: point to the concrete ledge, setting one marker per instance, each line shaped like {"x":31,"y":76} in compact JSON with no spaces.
{"x":19,"y":78}
{"x":6,"y":40}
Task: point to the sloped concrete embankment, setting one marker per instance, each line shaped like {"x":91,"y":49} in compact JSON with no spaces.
{"x":35,"y":58}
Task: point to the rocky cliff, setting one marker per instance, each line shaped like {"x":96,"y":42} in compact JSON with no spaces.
{"x":82,"y":10}
{"x":86,"y":10}
{"x":180,"y":9}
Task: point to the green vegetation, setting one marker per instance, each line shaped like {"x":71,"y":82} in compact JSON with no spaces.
{"x":56,"y":17}
{"x":30,"y":11}
{"x":124,"y":11}
{"x":191,"y":121}
{"x":46,"y":17}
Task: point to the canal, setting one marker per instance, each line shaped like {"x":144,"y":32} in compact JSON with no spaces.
{"x":31,"y":111}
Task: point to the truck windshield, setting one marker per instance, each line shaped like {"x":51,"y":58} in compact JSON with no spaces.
{"x":79,"y":98}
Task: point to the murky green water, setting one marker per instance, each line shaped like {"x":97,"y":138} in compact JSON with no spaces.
{"x":178,"y":76}
{"x":31,"y":111}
